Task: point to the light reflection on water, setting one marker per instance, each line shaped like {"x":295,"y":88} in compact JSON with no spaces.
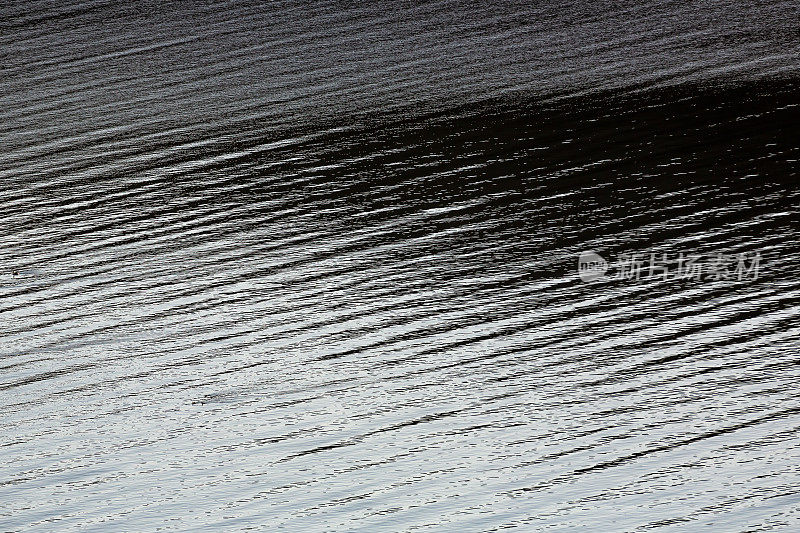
{"x":277,"y":278}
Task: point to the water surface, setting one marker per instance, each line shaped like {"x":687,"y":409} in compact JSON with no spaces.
{"x":314,"y":267}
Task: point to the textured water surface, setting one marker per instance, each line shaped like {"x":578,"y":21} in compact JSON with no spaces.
{"x":313,"y":267}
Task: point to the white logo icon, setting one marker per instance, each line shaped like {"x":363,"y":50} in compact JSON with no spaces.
{"x":591,"y":266}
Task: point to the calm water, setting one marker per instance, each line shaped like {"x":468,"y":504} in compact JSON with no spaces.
{"x":313,"y":267}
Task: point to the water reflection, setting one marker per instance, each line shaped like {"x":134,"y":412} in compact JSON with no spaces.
{"x":370,"y":317}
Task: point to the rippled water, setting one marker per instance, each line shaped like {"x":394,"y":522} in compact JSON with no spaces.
{"x":314,"y":267}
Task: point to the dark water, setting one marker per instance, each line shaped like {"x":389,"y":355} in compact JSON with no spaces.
{"x":313,"y":267}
